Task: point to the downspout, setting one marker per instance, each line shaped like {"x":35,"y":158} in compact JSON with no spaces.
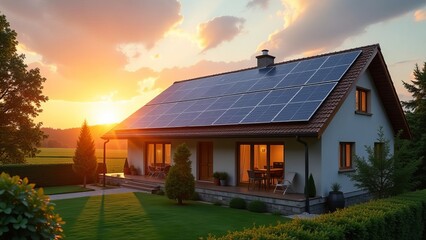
{"x":104,"y":166}
{"x":306,"y":173}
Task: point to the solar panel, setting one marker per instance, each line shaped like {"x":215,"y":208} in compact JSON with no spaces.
{"x":263,"y":114}
{"x":286,"y":92}
{"x":233,"y":115}
{"x":207,"y":118}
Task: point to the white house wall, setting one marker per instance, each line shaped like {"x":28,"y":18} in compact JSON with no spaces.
{"x":347,"y":126}
{"x":135,"y":154}
{"x":225,"y":157}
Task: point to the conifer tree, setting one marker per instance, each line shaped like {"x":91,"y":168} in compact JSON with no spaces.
{"x":383,"y":174}
{"x":85,"y":162}
{"x":180,"y":184}
{"x":416,"y":117}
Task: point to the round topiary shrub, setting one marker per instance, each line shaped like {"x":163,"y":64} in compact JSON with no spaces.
{"x":26,"y":213}
{"x":257,"y":206}
{"x":238,"y":203}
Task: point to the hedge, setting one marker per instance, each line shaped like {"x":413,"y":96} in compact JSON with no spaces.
{"x":399,"y":217}
{"x":46,"y":175}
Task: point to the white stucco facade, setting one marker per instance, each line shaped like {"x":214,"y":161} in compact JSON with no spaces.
{"x":348,"y":126}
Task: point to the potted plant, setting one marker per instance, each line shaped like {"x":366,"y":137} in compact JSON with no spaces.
{"x":223,"y":178}
{"x":133,"y":170}
{"x":216,"y":177}
{"x":126,"y":169}
{"x":336,"y":199}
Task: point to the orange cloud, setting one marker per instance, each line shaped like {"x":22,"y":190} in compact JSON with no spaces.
{"x":420,"y":15}
{"x":218,"y":30}
{"x":81,"y":37}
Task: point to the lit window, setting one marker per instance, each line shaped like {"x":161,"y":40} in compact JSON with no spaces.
{"x":158,"y":153}
{"x":361,"y":100}
{"x":346,"y":153}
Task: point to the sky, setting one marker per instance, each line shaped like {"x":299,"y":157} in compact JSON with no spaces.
{"x":104,"y":59}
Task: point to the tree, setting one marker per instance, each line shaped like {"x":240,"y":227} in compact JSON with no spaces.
{"x":85,"y":162}
{"x":20,"y":100}
{"x":180,"y":184}
{"x":382,"y":174}
{"x":416,"y":117}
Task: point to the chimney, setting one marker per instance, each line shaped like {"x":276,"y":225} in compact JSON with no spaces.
{"x":265,"y":59}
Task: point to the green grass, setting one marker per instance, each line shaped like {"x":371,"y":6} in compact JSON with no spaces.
{"x":114,"y":158}
{"x":146,"y":216}
{"x":65,"y":189}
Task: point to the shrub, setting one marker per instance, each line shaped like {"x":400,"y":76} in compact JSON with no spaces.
{"x":237,"y":203}
{"x":195,"y":196}
{"x":399,"y":217}
{"x":25,"y":212}
{"x":180,"y":183}
{"x":257,"y":206}
{"x":312,"y":189}
{"x":45,"y":175}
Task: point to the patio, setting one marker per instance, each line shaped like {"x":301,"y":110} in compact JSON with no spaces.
{"x":288,"y":204}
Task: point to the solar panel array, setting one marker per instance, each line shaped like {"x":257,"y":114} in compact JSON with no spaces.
{"x":283,"y":93}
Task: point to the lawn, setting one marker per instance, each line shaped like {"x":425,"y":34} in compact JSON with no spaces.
{"x":146,"y":216}
{"x":65,"y":189}
{"x":114,"y":158}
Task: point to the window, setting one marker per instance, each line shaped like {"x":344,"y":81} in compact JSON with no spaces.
{"x":361,"y":100}
{"x":158,"y":153}
{"x":255,"y":156}
{"x":346,"y":153}
{"x":379,"y":148}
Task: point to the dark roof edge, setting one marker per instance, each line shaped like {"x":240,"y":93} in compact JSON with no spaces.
{"x":353,"y":83}
{"x":395,"y":94}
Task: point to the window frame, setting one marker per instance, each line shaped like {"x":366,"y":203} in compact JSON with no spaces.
{"x":362,"y":101}
{"x":344,"y":158}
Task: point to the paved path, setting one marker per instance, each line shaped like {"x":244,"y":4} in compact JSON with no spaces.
{"x":97,"y":192}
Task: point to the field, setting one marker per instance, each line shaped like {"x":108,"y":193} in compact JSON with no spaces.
{"x":114,"y":158}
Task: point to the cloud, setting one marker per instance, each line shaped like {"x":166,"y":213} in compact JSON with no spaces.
{"x":420,"y":15}
{"x":258,"y":3}
{"x":324,"y":25}
{"x":218,"y":30}
{"x":81,"y":37}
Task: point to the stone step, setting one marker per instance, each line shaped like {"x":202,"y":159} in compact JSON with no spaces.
{"x":144,"y":186}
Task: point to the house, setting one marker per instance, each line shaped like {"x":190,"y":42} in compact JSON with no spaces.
{"x":262,"y":117}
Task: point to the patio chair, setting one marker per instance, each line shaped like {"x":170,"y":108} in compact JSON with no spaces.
{"x":164,"y":171}
{"x":152,"y":171}
{"x":256,"y":177}
{"x":286,"y":182}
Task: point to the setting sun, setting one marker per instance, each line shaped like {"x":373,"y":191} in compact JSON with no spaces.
{"x":105,"y":117}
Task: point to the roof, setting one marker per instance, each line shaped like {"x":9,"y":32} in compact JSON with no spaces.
{"x":147,"y":122}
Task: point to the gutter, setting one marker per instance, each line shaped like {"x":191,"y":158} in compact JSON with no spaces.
{"x":306,"y":173}
{"x":104,"y":170}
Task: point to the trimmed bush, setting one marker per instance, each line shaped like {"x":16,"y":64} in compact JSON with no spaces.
{"x":257,"y":206}
{"x":237,"y":203}
{"x":195,"y":196}
{"x":399,"y":217}
{"x":26,"y":213}
{"x":46,"y":175}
